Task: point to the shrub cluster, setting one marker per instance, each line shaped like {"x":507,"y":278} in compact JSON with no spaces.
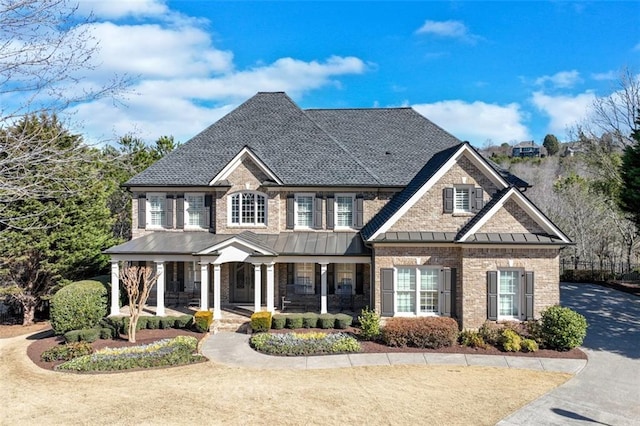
{"x":472,"y":339}
{"x":79,"y":305}
{"x":426,"y":332}
{"x":369,"y":324}
{"x":510,"y":341}
{"x":261,"y":321}
{"x":310,"y":320}
{"x":66,"y":352}
{"x":202,"y":321}
{"x":562,"y":328}
{"x":168,"y":352}
{"x":278,"y":321}
{"x":295,"y":344}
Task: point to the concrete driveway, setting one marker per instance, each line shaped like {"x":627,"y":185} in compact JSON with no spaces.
{"x":607,"y":391}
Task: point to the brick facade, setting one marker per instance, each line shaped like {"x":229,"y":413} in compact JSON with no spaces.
{"x":511,"y":218}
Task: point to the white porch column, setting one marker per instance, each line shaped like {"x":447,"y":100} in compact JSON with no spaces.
{"x":323,"y":288}
{"x":217,"y":312}
{"x":160,"y":285}
{"x":204,"y":286}
{"x":115,"y":288}
{"x":257,"y":284}
{"x":270,"y":287}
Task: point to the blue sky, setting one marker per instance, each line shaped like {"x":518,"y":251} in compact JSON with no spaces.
{"x":485,"y":71}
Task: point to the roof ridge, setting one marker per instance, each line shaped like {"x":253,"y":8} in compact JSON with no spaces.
{"x":358,"y":109}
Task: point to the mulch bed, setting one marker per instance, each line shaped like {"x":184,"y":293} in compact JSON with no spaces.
{"x":46,"y":339}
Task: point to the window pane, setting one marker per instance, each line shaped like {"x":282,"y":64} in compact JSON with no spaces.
{"x":156,"y":209}
{"x":429,"y":290}
{"x":195,"y":210}
{"x":260,"y":209}
{"x":235,"y":208}
{"x":305,"y":273}
{"x":248,"y":208}
{"x":406,"y":279}
{"x":462,"y":199}
{"x":508,"y":293}
{"x":305,"y":210}
{"x":344,"y":209}
{"x":344,"y":278}
{"x":406,"y":290}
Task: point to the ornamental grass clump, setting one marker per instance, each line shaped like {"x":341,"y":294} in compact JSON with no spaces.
{"x":296,"y":344}
{"x":167,"y":352}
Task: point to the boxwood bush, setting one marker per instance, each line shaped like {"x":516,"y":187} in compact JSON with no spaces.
{"x":343,"y":321}
{"x":278,"y":321}
{"x":326,"y":321}
{"x":79,"y":305}
{"x":562,"y":328}
{"x":202,"y":321}
{"x":309,"y":320}
{"x":426,"y":332}
{"x":294,"y":321}
{"x":261,"y":321}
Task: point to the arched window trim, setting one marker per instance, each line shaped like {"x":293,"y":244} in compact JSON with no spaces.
{"x":239,"y":214}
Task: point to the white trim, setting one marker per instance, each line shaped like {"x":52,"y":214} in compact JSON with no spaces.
{"x":527,"y":206}
{"x":519,"y":295}
{"x":234,"y":240}
{"x":322,"y":259}
{"x":255,"y":224}
{"x":237,"y":160}
{"x":460,"y":189}
{"x":416,"y":312}
{"x":335,"y":210}
{"x":464,"y":149}
{"x":295,"y":210}
{"x":186,"y":211}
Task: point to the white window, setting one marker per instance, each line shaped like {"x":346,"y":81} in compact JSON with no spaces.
{"x":509,"y":294}
{"x":344,"y":210}
{"x":418,"y":290}
{"x":305,"y":274}
{"x":462,"y":199}
{"x":345,"y":278}
{"x":156,"y":208}
{"x":304,"y":210}
{"x":248,"y":208}
{"x":194,"y":211}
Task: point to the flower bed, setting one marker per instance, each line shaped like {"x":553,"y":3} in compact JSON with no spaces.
{"x":167,"y":352}
{"x":296,"y":344}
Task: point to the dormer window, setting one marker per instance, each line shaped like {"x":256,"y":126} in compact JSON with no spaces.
{"x":462,"y":199}
{"x":248,"y":208}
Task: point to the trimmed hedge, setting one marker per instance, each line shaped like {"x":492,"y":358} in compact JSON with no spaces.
{"x":202,"y":320}
{"x":79,"y":305}
{"x":426,"y":332}
{"x":261,"y":321}
{"x":278,"y":321}
{"x":343,"y":321}
{"x":294,"y":321}
{"x":309,"y":320}
{"x":562,"y":328}
{"x":326,"y":321}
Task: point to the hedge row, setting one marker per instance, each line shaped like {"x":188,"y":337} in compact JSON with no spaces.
{"x":112,"y":327}
{"x":311,"y":320}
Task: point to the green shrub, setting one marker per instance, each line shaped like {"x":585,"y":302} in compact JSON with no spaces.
{"x":426,"y":332}
{"x":309,"y":320}
{"x":294,"y":321}
{"x":510,"y":341}
{"x":81,"y":304}
{"x":142,"y":322}
{"x":167,"y":322}
{"x":343,"y":321}
{"x":202,"y":321}
{"x":278,"y":321}
{"x":326,"y":321}
{"x":261,"y":321}
{"x":294,"y":344}
{"x":117,"y":323}
{"x":528,"y":345}
{"x":66,"y":352}
{"x":472,"y":339}
{"x":369,"y":324}
{"x":153,"y":323}
{"x":106,"y":333}
{"x":72,"y":336}
{"x":183,"y":321}
{"x":490,"y":333}
{"x":562,"y":328}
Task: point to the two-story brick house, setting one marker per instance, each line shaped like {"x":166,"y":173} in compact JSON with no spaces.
{"x":340,"y":208}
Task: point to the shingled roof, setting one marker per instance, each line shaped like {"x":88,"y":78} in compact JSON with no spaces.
{"x":368,"y":147}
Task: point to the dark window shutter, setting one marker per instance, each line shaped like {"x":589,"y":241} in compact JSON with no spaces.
{"x":317,"y":212}
{"x":447,"y":196}
{"x":528,"y":295}
{"x":210,"y":211}
{"x":331,"y":279}
{"x":330,"y":214}
{"x":359,"y":211}
{"x":386,"y":275}
{"x":448,"y":292}
{"x":478,"y":202}
{"x":318,"y":283}
{"x":492,"y":295}
{"x":169,"y":208}
{"x":180,"y":212}
{"x":168,"y":277}
{"x":181,"y":266}
{"x":290,"y":278}
{"x":290,"y":212}
{"x":142,"y":211}
{"x":359,"y":278}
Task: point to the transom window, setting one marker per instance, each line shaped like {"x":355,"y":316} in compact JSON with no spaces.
{"x":509,"y":294}
{"x":305,"y":273}
{"x":194,"y":210}
{"x":344,"y":210}
{"x":304,"y":210}
{"x":345,"y":278}
{"x":248,"y":208}
{"x":418,"y":290}
{"x":157,"y":209}
{"x":462,"y":199}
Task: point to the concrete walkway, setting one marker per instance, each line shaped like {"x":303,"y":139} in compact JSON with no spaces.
{"x":607,"y":391}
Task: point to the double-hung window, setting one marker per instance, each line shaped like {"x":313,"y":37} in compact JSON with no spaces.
{"x":462,"y":199}
{"x":418,"y":290}
{"x":344,"y":210}
{"x":345,"y":278}
{"x":304,"y":210}
{"x":248,"y":208}
{"x":509,"y":294}
{"x":304,"y":280}
{"x":194,"y":210}
{"x":157,"y":209}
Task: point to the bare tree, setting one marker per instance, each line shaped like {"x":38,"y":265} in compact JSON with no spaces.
{"x":138,"y":281}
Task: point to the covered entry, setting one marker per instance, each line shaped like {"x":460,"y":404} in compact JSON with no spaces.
{"x":242,"y":282}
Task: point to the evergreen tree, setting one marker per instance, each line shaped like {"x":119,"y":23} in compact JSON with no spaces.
{"x":630,"y":173}
{"x":551,"y":144}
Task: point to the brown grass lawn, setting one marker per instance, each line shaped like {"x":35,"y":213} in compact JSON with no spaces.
{"x":210,"y":393}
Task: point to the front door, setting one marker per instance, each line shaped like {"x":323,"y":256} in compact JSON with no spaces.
{"x":241,"y":281}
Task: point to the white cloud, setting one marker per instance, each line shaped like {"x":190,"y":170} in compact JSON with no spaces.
{"x":562,"y":79}
{"x":604,"y":76}
{"x":449,"y":29}
{"x":114,"y":9}
{"x":478,"y":121}
{"x":564,"y":111}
